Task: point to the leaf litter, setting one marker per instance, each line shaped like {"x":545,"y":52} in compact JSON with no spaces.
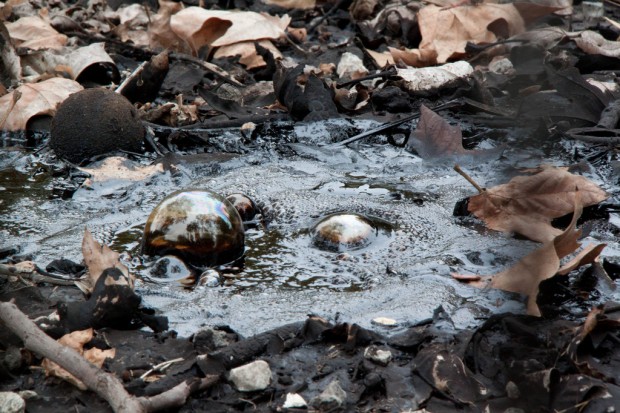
{"x":438,"y":368}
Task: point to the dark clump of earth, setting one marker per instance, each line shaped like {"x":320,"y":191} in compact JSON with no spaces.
{"x":95,"y":122}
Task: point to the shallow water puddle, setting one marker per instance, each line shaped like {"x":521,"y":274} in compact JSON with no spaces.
{"x":403,"y":274}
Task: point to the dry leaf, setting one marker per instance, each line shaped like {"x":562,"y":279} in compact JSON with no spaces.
{"x":525,"y":276}
{"x":160,"y":34}
{"x":427,"y":79}
{"x":33,"y":32}
{"x":247,"y":52}
{"x":201,"y":27}
{"x":446,"y":31}
{"x":10,"y":67}
{"x":117,"y":167}
{"x":527,"y":204}
{"x":76,"y":340}
{"x":36,"y":99}
{"x":99,"y":258}
{"x":434,"y":137}
{"x":72,"y":61}
{"x":593,"y":43}
{"x":292,"y":4}
{"x":381,"y":59}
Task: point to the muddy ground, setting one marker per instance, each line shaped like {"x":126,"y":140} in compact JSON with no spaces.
{"x":315,"y":316}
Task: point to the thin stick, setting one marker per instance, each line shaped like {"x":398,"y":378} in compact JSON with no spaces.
{"x":447,"y":105}
{"x":469,"y":179}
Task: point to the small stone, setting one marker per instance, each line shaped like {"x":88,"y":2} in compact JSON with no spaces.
{"x":254,"y":376}
{"x":376,"y":355}
{"x":11,"y":403}
{"x":512,"y":390}
{"x":384,"y":321}
{"x":294,"y":401}
{"x":333,"y":397}
{"x":28,"y":394}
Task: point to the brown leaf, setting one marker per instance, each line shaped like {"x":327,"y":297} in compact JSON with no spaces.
{"x":76,"y":340}
{"x":446,"y":31}
{"x":526,"y":275}
{"x":527,"y":204}
{"x":33,"y":32}
{"x":200,"y":27}
{"x":97,"y":259}
{"x":117,"y":167}
{"x":593,"y":43}
{"x":247,"y":52}
{"x":434,"y":137}
{"x":160,"y":33}
{"x":36,"y":99}
{"x":292,"y":4}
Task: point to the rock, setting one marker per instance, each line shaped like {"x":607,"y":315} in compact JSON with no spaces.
{"x":254,"y":376}
{"x":294,"y":401}
{"x":333,"y":397}
{"x":95,"y":122}
{"x":376,"y":355}
{"x":11,"y":403}
{"x":384,"y":321}
{"x":208,"y":339}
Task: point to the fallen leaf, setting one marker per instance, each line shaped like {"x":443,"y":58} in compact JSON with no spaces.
{"x":76,"y":340}
{"x":36,"y":99}
{"x":435,"y":138}
{"x":33,"y":32}
{"x":117,"y":167}
{"x":160,"y":33}
{"x":527,"y":204}
{"x":428,"y":79}
{"x":99,"y":258}
{"x":526,"y":275}
{"x":247,"y":52}
{"x":446,"y":31}
{"x":292,"y":4}
{"x":10,"y":67}
{"x":200,"y":27}
{"x":593,"y":43}
{"x":381,"y":59}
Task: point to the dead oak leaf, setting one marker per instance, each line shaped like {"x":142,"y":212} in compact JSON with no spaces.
{"x":35,"y":33}
{"x":76,"y":340}
{"x":200,"y":27}
{"x":434,"y":137}
{"x":527,"y":204}
{"x":98,"y":258}
{"x":446,"y":31}
{"x":527,"y":274}
{"x":117,"y":167}
{"x":34,"y":99}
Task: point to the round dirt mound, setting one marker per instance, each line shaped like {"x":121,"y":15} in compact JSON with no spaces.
{"x":95,"y":122}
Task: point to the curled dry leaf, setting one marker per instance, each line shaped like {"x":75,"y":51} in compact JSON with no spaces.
{"x":446,"y":31}
{"x":593,"y":43}
{"x":98,"y":258}
{"x":434,"y":137}
{"x":427,"y":79}
{"x":117,"y":167}
{"x":35,"y":99}
{"x":160,"y":34}
{"x":292,"y":4}
{"x":33,"y":32}
{"x":200,"y":27}
{"x":76,"y":340}
{"x":10,"y":67}
{"x":543,"y":263}
{"x":527,"y":204}
{"x":247,"y":52}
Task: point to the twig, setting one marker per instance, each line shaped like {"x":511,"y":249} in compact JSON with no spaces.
{"x":391,"y":71}
{"x":132,"y":76}
{"x":161,"y":367}
{"x":469,"y":179}
{"x":28,"y":270}
{"x":320,"y":20}
{"x":447,"y":105}
{"x":106,"y":385}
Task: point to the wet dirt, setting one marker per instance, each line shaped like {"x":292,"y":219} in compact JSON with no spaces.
{"x":297,"y":179}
